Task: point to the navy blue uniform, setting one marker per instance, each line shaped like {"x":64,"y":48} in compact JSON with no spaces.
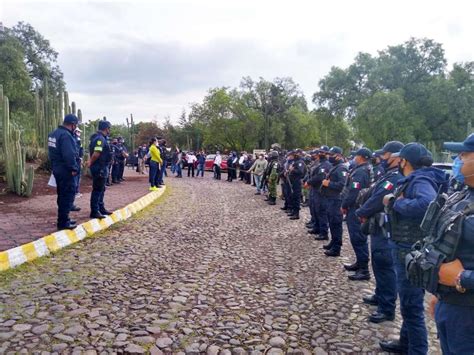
{"x":318,"y":174}
{"x":80,"y":152}
{"x":454,"y":313}
{"x":99,"y":170}
{"x":312,"y":170}
{"x":421,"y":188}
{"x":296,"y":173}
{"x":63,"y":154}
{"x":380,"y":248}
{"x":359,"y":178}
{"x":332,"y":201}
{"x":117,"y":150}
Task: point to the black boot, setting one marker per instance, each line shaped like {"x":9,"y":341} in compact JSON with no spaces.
{"x":332,"y":252}
{"x":351,"y":267}
{"x":362,"y":274}
{"x":378,"y":317}
{"x":327,"y":246}
{"x":295,"y":215}
{"x":272,"y":201}
{"x":372,"y":300}
{"x":322,"y":237}
{"x":394,"y":346}
{"x":284,"y":208}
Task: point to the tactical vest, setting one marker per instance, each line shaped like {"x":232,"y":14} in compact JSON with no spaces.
{"x":443,"y":228}
{"x":406,"y":230}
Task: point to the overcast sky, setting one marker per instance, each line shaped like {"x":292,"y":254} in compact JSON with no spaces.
{"x":153,"y":58}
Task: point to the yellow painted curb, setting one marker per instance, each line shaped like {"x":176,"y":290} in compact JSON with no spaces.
{"x":44,"y":246}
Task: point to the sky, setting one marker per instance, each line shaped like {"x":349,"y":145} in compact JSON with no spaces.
{"x":155,"y":58}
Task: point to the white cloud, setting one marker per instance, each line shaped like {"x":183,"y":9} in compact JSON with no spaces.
{"x":154,"y":57}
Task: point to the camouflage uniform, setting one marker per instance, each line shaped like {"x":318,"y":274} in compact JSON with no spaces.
{"x":273,"y":180}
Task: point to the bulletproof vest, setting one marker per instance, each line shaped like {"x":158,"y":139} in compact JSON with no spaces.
{"x":443,"y":228}
{"x":406,"y":230}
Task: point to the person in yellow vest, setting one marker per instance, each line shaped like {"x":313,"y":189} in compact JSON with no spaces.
{"x":155,"y":163}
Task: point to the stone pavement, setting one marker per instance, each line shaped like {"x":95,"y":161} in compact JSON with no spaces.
{"x":209,"y":269}
{"x":35,"y":217}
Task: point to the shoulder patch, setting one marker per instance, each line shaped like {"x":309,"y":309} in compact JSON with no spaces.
{"x":99,"y":142}
{"x":388,"y":186}
{"x":344,"y":173}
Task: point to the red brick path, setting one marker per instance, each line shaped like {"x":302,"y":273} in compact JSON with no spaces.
{"x":32,"y":218}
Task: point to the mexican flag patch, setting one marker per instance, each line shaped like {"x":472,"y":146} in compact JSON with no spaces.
{"x":388,"y":185}
{"x":356,"y":185}
{"x":344,"y":173}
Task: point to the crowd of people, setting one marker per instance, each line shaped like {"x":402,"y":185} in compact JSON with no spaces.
{"x":411,"y":221}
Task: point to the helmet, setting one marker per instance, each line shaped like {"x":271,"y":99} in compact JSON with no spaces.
{"x":276,"y":146}
{"x":104,"y":125}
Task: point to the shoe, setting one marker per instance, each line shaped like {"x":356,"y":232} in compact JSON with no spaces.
{"x":360,"y":275}
{"x":108,"y":184}
{"x":327,"y":246}
{"x":312,"y":231}
{"x":75,"y":209}
{"x":257,"y":193}
{"x":106,"y":212}
{"x":284,"y":208}
{"x":371,"y":300}
{"x":97,"y":215}
{"x":295,"y":216}
{"x":378,"y":317}
{"x":66,"y":226}
{"x":332,"y":252}
{"x":116,"y":182}
{"x":394,"y":346}
{"x":289,"y":212}
{"x":272,"y":202}
{"x":351,"y":267}
{"x":322,"y":237}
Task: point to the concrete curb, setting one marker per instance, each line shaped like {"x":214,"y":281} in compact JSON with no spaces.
{"x":14,"y":257}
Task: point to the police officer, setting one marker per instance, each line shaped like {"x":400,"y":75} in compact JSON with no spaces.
{"x":406,"y":208}
{"x":116,"y":151}
{"x":285,"y":185}
{"x":371,"y":214}
{"x":320,"y":206}
{"x":331,"y":189}
{"x":454,"y":310}
{"x":296,"y":172}
{"x":313,"y":223}
{"x":101,"y":155}
{"x":359,"y":178}
{"x":63,"y":154}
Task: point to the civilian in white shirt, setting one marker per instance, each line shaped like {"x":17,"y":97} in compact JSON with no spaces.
{"x":191,"y":159}
{"x":217,"y":166}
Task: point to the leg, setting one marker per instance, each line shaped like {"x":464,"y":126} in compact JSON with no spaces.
{"x":322,"y":214}
{"x":335,"y":223}
{"x":358,"y":240}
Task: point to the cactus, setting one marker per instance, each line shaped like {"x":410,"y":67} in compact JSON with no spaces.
{"x":73,"y":108}
{"x":19,"y":179}
{"x":79,"y":115}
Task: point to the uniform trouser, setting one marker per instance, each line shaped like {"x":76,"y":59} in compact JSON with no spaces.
{"x":153,"y":178}
{"x":312,"y":202}
{"x":333,"y":208}
{"x":295,"y":194}
{"x":66,"y":189}
{"x":455,"y":326}
{"x":121,"y":169}
{"x":357,"y":238}
{"x":115,"y":172}
{"x":99,"y":177}
{"x":384,"y":273}
{"x":272,"y":188}
{"x":322,"y":214}
{"x":286,"y":193}
{"x":413,"y":331}
{"x":77,"y":179}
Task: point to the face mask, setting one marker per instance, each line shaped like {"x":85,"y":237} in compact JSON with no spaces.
{"x":457,"y":166}
{"x":400,"y":169}
{"x":332,"y":160}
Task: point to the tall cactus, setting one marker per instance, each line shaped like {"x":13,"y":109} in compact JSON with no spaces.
{"x":73,"y":108}
{"x":19,"y":179}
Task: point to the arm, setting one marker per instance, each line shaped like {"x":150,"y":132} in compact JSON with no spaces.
{"x":416,"y":207}
{"x":68,"y":150}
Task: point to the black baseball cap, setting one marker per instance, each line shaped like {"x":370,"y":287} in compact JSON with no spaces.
{"x":335,"y":150}
{"x":416,"y":154}
{"x":392,"y":147}
{"x":458,"y":147}
{"x":364,"y":152}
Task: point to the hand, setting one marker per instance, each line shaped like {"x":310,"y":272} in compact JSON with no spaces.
{"x":74,"y":173}
{"x":326,"y":182}
{"x":431,"y":306}
{"x":448,"y":272}
{"x":386,"y":199}
{"x":306,"y":185}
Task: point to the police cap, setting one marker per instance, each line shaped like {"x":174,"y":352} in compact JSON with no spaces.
{"x":364,"y":152}
{"x":416,"y":154}
{"x":104,"y":125}
{"x":392,"y":147}
{"x":71,"y":119}
{"x":378,"y":153}
{"x":457,"y":147}
{"x":324,"y":149}
{"x":335,"y":150}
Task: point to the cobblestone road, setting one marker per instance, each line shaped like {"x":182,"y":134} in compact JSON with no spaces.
{"x":209,"y":269}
